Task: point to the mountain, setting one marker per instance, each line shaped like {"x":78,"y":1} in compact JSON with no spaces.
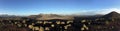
{"x":10,"y":16}
{"x":50,"y":16}
{"x":112,"y":15}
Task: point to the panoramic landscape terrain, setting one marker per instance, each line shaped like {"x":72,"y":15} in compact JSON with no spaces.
{"x":54,"y":22}
{"x":59,"y":15}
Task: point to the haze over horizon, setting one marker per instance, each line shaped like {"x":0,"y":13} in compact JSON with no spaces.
{"x":83,"y":7}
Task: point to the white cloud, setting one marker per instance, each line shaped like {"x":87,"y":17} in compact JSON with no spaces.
{"x":105,"y":11}
{"x":100,"y":11}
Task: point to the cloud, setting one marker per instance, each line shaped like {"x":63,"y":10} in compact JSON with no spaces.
{"x":105,"y":11}
{"x":100,"y":11}
{"x":2,"y":11}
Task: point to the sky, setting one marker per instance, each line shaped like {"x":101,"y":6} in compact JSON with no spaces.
{"x":82,"y":7}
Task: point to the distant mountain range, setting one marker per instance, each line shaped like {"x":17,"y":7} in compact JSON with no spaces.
{"x":5,"y":15}
{"x":50,"y":16}
{"x":68,"y":17}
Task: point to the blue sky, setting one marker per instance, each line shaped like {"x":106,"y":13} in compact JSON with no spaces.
{"x":29,"y":7}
